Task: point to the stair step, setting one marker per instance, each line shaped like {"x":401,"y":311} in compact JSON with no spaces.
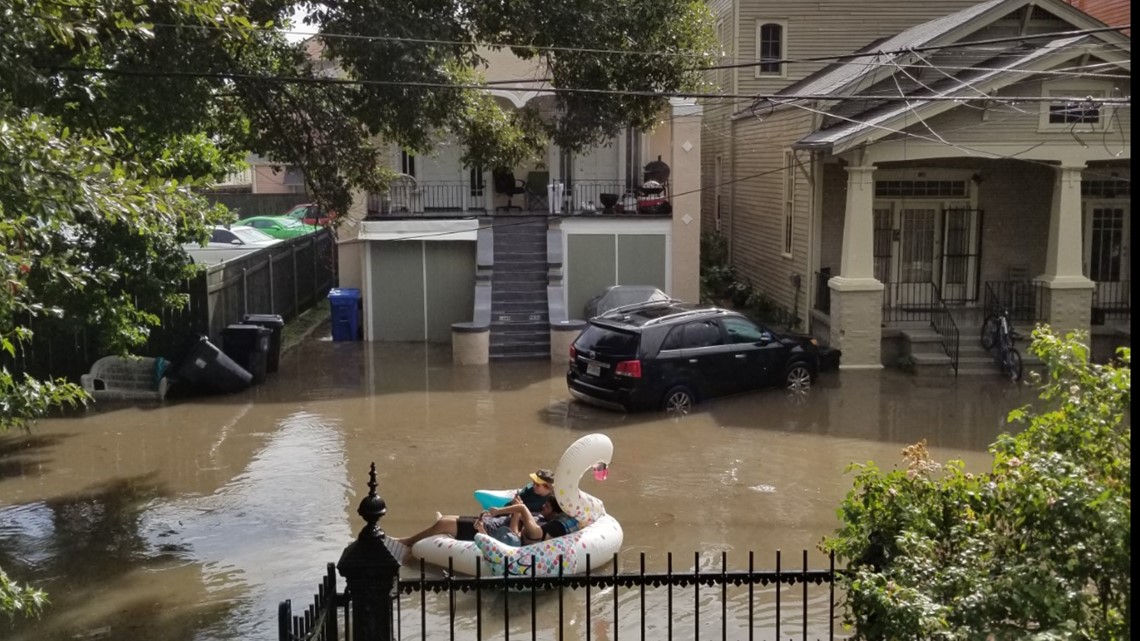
{"x":512,"y":308}
{"x":538,"y":298}
{"x":518,"y":286}
{"x":519,"y":276}
{"x":520,"y":349}
{"x":526,"y":356}
{"x":528,"y":327}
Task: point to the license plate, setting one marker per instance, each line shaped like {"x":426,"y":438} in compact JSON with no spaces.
{"x":593,"y":369}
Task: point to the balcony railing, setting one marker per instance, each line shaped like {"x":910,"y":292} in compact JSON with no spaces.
{"x":408,"y":197}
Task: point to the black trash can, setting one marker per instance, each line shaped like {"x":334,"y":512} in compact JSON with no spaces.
{"x":248,"y":345}
{"x":275,"y":324}
{"x":204,"y":365}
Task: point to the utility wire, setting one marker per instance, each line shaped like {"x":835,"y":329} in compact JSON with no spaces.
{"x":503,"y":45}
{"x":558,"y":90}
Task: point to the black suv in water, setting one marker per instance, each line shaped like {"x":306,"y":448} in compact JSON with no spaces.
{"x":668,"y":355}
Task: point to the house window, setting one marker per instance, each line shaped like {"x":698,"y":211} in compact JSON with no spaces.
{"x":789,"y":199}
{"x":407,"y":164}
{"x":1074,"y":112}
{"x":771,"y":44}
{"x":920,"y":189}
{"x":475,"y":176}
{"x":1113,"y":188}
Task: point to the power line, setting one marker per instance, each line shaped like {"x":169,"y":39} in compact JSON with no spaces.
{"x":565,"y":90}
{"x":502,"y":45}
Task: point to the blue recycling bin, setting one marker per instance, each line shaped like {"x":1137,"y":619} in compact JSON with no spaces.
{"x":344,"y":304}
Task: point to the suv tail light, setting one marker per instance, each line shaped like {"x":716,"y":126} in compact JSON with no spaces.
{"x":631,"y":369}
{"x":573,"y":354}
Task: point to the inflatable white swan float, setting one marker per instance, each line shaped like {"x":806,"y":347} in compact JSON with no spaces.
{"x":598,"y":535}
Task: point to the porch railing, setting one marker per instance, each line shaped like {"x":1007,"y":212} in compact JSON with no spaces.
{"x":904,"y":302}
{"x":823,"y":291}
{"x":377,"y":603}
{"x":1023,"y":298}
{"x":942,"y":322}
{"x":1112,"y":300}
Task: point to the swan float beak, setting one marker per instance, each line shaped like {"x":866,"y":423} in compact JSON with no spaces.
{"x":601,"y":471}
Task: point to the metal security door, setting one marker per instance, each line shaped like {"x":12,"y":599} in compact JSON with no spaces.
{"x":917,"y":236}
{"x":1107,"y":251}
{"x":961,"y":240}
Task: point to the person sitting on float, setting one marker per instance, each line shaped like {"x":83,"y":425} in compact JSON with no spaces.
{"x":525,"y":528}
{"x":462,"y":528}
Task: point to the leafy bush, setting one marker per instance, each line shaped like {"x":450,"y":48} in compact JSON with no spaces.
{"x":1037,"y":548}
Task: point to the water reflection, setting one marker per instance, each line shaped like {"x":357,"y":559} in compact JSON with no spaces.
{"x":192,"y":519}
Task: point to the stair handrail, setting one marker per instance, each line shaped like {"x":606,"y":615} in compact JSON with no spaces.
{"x":942,"y":322}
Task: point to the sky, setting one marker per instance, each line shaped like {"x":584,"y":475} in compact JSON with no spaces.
{"x":299,"y":26}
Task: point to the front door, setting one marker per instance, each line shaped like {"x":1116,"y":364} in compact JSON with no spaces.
{"x":1107,"y":250}
{"x":923,"y":247}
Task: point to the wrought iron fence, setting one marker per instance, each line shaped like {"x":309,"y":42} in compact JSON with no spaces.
{"x":377,"y":603}
{"x":1112,"y":300}
{"x":1023,"y":298}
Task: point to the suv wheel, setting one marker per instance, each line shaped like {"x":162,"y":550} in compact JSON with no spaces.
{"x":797,"y":378}
{"x":679,"y":400}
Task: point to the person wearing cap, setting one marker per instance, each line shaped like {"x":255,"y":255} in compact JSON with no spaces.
{"x":463,"y":527}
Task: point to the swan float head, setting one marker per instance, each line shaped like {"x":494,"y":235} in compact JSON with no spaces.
{"x":592,"y":452}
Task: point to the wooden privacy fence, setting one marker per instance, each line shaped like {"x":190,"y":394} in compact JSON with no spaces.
{"x":378,"y":604}
{"x":285,"y":279}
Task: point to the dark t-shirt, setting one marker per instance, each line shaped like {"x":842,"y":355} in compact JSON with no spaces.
{"x":553,"y":529}
{"x":531,"y":499}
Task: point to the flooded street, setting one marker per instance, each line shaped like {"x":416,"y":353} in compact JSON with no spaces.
{"x":193,"y":519}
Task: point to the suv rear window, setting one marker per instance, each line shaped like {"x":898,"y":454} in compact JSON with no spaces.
{"x":604,"y":340}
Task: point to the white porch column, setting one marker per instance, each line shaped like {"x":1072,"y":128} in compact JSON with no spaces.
{"x":1068,"y":293}
{"x":856,"y":296}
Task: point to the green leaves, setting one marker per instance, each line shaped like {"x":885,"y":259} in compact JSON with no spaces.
{"x":1038,"y":547}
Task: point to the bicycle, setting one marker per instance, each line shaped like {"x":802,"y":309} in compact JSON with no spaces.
{"x":997,"y":331}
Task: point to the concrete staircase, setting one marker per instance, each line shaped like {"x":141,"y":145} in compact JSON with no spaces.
{"x":931,"y":360}
{"x":520,"y":321}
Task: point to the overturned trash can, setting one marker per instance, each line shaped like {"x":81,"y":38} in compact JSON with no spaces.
{"x":276,"y":325}
{"x":248,"y":345}
{"x":344,"y":308}
{"x":203,"y":365}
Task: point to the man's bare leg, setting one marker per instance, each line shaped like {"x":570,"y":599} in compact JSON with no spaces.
{"x":443,"y":525}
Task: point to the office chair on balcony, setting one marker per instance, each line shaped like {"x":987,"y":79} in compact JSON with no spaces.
{"x":507,"y":185}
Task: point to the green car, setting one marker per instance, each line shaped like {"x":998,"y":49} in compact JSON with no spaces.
{"x":279,"y":226}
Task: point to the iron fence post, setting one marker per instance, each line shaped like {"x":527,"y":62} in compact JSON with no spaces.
{"x":370,"y":572}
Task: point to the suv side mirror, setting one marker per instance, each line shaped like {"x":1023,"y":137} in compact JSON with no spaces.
{"x":765,"y":338}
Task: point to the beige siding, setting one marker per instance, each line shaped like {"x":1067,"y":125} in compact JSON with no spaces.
{"x":827,"y":28}
{"x":715,"y":130}
{"x":1017,"y":123}
{"x":756,"y":231}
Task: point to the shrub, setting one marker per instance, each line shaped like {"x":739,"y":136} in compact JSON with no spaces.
{"x":1037,"y":548}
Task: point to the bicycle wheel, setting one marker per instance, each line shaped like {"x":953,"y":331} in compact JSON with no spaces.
{"x":1011,"y":365}
{"x":989,"y":332}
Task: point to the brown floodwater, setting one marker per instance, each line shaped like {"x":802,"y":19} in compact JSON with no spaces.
{"x":193,"y":518}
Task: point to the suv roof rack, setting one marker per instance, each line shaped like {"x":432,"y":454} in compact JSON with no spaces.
{"x":646,"y":304}
{"x":688,"y":312}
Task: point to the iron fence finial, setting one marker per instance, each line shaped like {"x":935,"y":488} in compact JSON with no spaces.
{"x":372,"y":507}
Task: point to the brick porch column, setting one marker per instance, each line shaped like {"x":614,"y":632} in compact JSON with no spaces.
{"x":856,"y":296}
{"x":1068,"y":293}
